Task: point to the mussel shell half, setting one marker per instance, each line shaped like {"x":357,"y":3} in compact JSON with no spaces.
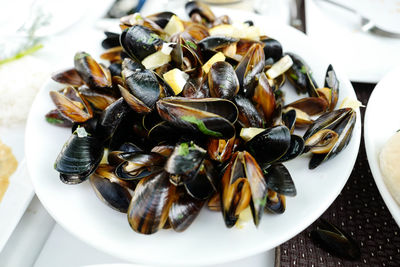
{"x":269,"y":145}
{"x":183,"y":211}
{"x":111,"y":40}
{"x":222,"y":80}
{"x":151,"y":203}
{"x":296,"y":148}
{"x":185,"y":160}
{"x":68,"y":76}
{"x":335,"y":241}
{"x":297,"y":75}
{"x":210,"y":116}
{"x":220,"y":149}
{"x":92,"y":73}
{"x":248,"y":114}
{"x":99,"y":100}
{"x":118,"y":156}
{"x":139,"y":42}
{"x":110,"y":118}
{"x":112,"y":194}
{"x":264,"y":98}
{"x":272,"y":49}
{"x":279,"y":180}
{"x":216,"y":42}
{"x":138,"y":165}
{"x":204,"y":185}
{"x":54,"y":117}
{"x":310,"y":105}
{"x":142,"y":83}
{"x":161,"y":18}
{"x":289,"y":119}
{"x":332,"y":82}
{"x":196,"y":7}
{"x":78,"y":158}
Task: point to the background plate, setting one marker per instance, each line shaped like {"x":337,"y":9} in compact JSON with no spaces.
{"x":207,"y":240}
{"x":381,"y":122}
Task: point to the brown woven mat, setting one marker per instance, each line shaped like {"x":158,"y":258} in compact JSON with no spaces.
{"x":360,"y":211}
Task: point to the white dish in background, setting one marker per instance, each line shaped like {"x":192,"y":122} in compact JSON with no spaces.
{"x":381,"y":122}
{"x":364,"y":57}
{"x":207,"y":240}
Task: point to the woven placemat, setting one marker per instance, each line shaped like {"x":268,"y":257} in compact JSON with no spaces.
{"x":360,"y":211}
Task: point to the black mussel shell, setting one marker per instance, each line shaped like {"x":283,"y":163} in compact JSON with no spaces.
{"x":111,"y":40}
{"x":264,"y":99}
{"x":161,"y":19}
{"x":210,"y":116}
{"x":151,"y":203}
{"x":79,"y":157}
{"x":222,"y":80}
{"x":68,"y":76}
{"x":272,"y":49}
{"x":215,"y":42}
{"x":183,"y":211}
{"x":115,"y":69}
{"x":110,"y":193}
{"x":203,"y":186}
{"x":248,"y":114}
{"x":269,"y":145}
{"x":140,"y":42}
{"x":289,"y":119}
{"x":276,"y":203}
{"x":201,"y":9}
{"x":297,"y":75}
{"x":296,"y":148}
{"x":123,"y":153}
{"x":138,"y":165}
{"x":335,"y":241}
{"x":185,"y":160}
{"x":332,"y":82}
{"x":279,"y":180}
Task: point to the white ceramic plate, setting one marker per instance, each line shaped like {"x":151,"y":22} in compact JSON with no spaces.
{"x":207,"y":240}
{"x":364,"y":57}
{"x":381,"y":122}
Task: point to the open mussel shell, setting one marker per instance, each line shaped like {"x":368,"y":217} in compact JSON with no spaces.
{"x":99,"y":100}
{"x":185,"y":161}
{"x":183,"y":210}
{"x":328,"y":120}
{"x":161,"y":18}
{"x":248,"y":114}
{"x":242,"y":185}
{"x":138,"y":165}
{"x":335,"y":241}
{"x":264,"y":98}
{"x":279,"y":180}
{"x":289,"y":119}
{"x":78,"y":158}
{"x":71,"y":104}
{"x":297,"y":75}
{"x":92,"y":73}
{"x":344,"y":129}
{"x":68,"y":76}
{"x":269,"y":145}
{"x":276,"y":203}
{"x":210,"y":116}
{"x":112,"y":194}
{"x":251,"y":64}
{"x":322,"y":141}
{"x":151,"y":203}
{"x":222,"y":80}
{"x":139,"y":42}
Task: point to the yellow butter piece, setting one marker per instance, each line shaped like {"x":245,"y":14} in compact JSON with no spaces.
{"x":176,"y":79}
{"x":173,"y":26}
{"x":215,"y":58}
{"x":156,"y":60}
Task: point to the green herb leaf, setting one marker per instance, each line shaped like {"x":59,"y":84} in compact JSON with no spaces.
{"x":201,"y":126}
{"x":25,"y":52}
{"x":191,"y":44}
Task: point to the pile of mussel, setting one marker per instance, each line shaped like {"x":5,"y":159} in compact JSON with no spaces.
{"x":191,"y":113}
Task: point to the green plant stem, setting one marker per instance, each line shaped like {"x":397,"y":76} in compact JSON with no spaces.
{"x":22,"y":53}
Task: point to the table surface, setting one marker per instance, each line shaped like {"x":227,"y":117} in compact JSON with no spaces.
{"x":359,"y":210}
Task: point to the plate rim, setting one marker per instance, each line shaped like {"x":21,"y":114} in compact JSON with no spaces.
{"x":389,"y":201}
